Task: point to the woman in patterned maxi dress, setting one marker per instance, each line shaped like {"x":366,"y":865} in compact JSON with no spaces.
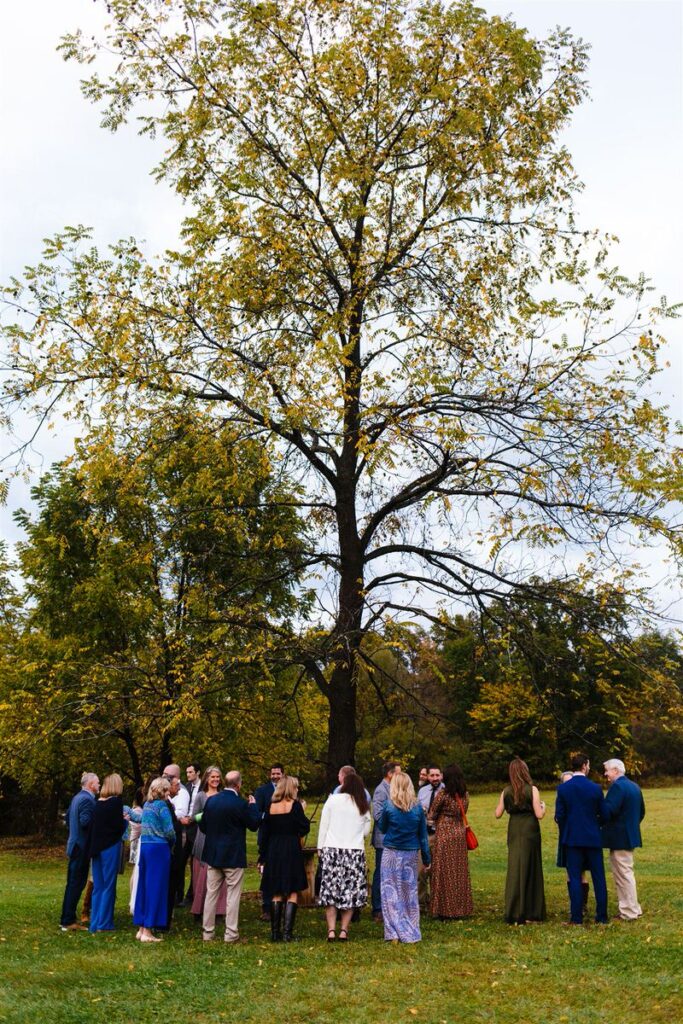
{"x":450,"y":882}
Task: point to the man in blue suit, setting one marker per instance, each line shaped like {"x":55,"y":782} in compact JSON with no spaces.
{"x":626,"y":809}
{"x":225,"y":820}
{"x":263,"y":795}
{"x":580,"y":811}
{"x":79,"y":818}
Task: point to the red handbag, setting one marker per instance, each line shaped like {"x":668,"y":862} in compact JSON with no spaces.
{"x":471,"y":841}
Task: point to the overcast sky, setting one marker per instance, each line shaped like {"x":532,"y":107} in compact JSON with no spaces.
{"x":59,"y":167}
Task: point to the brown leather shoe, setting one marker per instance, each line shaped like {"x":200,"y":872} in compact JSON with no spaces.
{"x":75,"y":927}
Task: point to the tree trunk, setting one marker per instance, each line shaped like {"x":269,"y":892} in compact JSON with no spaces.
{"x":165,"y":752}
{"x":341,"y":743}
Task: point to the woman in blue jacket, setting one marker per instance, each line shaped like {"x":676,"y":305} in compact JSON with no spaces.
{"x":156,"y":842}
{"x":404,"y":826}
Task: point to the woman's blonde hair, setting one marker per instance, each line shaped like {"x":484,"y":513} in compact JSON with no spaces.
{"x":286,"y":789}
{"x":158,"y":789}
{"x":402,"y":791}
{"x":112,"y":786}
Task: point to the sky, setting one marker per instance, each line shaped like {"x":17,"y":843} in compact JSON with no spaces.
{"x":59,"y":167}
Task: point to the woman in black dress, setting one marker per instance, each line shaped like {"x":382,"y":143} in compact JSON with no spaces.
{"x":280,"y":856}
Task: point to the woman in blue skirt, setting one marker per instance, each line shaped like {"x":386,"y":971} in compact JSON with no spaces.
{"x":157,"y":837}
{"x":404,"y":826}
{"x":108,"y":827}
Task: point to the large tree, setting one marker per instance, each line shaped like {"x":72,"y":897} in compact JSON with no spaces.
{"x":381,"y":278}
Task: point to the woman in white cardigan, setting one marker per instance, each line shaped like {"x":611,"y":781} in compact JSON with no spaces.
{"x":344,"y":824}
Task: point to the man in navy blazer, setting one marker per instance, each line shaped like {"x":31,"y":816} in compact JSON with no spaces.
{"x":263,"y":795}
{"x":580,"y":811}
{"x":80,"y":818}
{"x":626,"y":809}
{"x":225,"y":820}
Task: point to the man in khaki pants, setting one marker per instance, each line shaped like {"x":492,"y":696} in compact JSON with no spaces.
{"x":625,"y":809}
{"x":225,"y":821}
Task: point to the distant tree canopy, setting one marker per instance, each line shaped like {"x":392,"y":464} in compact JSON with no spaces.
{"x":159,"y":577}
{"x":381,"y":282}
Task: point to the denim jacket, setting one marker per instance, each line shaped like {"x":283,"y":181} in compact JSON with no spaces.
{"x":405,"y":830}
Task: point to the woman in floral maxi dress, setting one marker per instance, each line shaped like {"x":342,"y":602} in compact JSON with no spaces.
{"x":450,"y":881}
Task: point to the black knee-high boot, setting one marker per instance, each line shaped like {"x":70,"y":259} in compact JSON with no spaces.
{"x":290,"y":918}
{"x":276,"y":921}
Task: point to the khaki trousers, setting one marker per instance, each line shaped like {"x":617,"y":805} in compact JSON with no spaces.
{"x":621,"y":863}
{"x":233,"y":880}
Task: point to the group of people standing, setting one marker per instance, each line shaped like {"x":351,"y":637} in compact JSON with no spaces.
{"x":209,"y":820}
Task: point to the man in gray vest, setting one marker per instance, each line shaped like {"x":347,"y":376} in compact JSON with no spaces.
{"x":379,"y":798}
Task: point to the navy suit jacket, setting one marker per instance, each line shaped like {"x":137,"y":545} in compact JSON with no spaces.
{"x":580,"y":811}
{"x":263,"y":796}
{"x":224,"y":822}
{"x":625,"y":809}
{"x":80,"y":818}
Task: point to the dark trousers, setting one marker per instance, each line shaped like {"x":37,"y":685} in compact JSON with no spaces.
{"x":577,"y":858}
{"x":377,"y":883}
{"x":76,"y":877}
{"x":190,"y":836}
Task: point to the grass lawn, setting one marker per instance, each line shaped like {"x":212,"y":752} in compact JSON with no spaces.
{"x":479,"y":970}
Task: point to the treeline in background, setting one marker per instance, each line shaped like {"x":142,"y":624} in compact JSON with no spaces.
{"x":146,"y":616}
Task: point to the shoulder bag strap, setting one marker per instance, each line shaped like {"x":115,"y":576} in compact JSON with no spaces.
{"x":462,"y":810}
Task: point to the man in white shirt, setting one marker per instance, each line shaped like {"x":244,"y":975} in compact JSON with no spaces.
{"x":193,"y":774}
{"x":180,"y":799}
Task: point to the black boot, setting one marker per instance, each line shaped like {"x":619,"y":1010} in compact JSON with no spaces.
{"x":585,"y":888}
{"x":276,"y":921}
{"x":290,"y":918}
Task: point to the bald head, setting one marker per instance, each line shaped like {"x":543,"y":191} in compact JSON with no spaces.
{"x":172,"y":771}
{"x":233,"y":780}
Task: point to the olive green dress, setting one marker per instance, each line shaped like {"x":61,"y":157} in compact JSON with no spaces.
{"x":524,"y":894}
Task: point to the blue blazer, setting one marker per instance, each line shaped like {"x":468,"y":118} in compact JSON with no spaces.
{"x":625,"y":809}
{"x":263,"y":796}
{"x":580,"y":811}
{"x":79,"y":819}
{"x":224,"y":822}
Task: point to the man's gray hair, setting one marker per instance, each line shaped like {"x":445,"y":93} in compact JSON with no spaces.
{"x":614,"y":762}
{"x":233,"y":779}
{"x":87,"y":778}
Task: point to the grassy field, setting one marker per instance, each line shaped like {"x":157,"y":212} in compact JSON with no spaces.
{"x":480,"y":970}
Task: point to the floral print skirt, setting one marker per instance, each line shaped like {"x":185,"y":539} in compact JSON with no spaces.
{"x":344,"y":882}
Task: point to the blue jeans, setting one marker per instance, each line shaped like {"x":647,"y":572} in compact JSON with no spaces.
{"x":377,"y":883}
{"x":76,"y":877}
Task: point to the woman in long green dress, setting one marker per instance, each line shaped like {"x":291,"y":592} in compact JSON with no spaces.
{"x":524,"y":893}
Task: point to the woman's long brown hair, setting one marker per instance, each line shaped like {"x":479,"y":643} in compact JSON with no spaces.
{"x":519,"y":778}
{"x":353,"y":785}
